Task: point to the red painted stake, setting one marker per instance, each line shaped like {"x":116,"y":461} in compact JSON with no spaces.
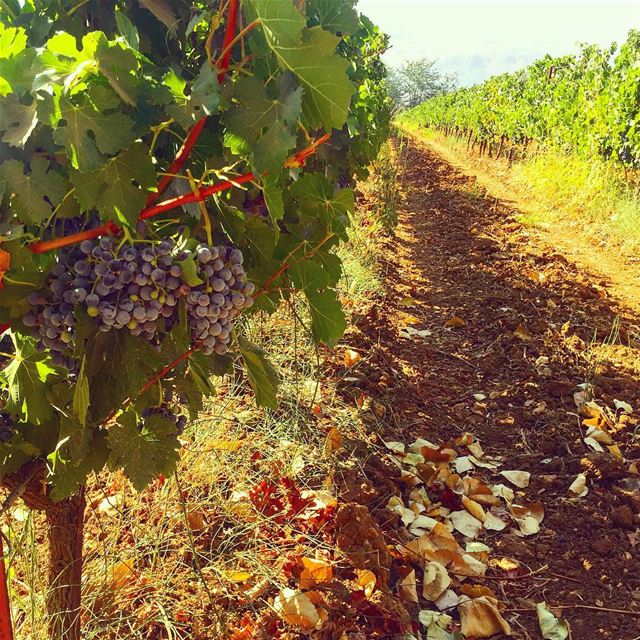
{"x":6,"y":631}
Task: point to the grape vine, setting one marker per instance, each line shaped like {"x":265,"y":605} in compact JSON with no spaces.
{"x":166,"y":169}
{"x":587,"y":103}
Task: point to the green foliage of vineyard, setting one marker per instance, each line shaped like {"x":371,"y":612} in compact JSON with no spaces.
{"x":96,"y":99}
{"x":588,"y":103}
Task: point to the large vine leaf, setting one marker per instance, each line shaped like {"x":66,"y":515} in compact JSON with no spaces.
{"x":34,"y":195}
{"x":311,"y":55}
{"x":262,"y":375}
{"x":88,"y":132}
{"x":143,"y":450}
{"x":261,"y":126}
{"x":337,"y":16}
{"x":17,"y":120}
{"x":117,"y":366}
{"x":318,"y":198}
{"x":82,"y":456}
{"x":117,"y":65}
{"x":62,"y":59}
{"x":27,"y":376}
{"x":111,"y":188}
{"x":328,"y":321}
{"x":202,"y":100}
{"x":18,"y":64}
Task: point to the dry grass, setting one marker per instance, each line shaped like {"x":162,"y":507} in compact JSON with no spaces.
{"x":192,"y":554}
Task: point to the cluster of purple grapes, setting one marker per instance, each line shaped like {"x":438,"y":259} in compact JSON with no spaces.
{"x":163,"y":411}
{"x":139,"y":287}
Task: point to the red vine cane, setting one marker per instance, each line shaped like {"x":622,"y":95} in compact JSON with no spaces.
{"x":6,"y":630}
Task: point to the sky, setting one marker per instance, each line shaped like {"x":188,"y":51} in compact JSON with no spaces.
{"x":476,"y":39}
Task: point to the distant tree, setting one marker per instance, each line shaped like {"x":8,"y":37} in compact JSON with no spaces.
{"x":416,"y":81}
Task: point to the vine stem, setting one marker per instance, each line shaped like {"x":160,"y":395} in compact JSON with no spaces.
{"x":43,"y":246}
{"x":232,"y":20}
{"x":149,"y":383}
{"x":194,"y":134}
{"x":180,"y":160}
{"x":229,"y":47}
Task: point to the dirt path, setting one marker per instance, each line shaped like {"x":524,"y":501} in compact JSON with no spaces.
{"x":535,"y":328}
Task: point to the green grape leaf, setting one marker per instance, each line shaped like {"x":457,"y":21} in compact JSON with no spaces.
{"x":190,"y":271}
{"x":272,"y":191}
{"x":145,"y":450}
{"x":263,"y":377}
{"x":117,"y":64}
{"x":29,"y":191}
{"x":62,"y":59}
{"x":15,"y":453}
{"x":232,"y":221}
{"x":13,"y":40}
{"x":127,"y":30}
{"x":328,"y":321}
{"x":262,"y":126}
{"x":17,"y":120}
{"x":117,"y":366}
{"x":110,"y":188}
{"x":317,"y":197}
{"x":308,"y":276}
{"x":203,"y":99}
{"x":337,"y":16}
{"x":70,"y":475}
{"x":28,"y":376}
{"x":81,"y":396}
{"x":18,"y":64}
{"x":89,"y":132}
{"x":311,"y":55}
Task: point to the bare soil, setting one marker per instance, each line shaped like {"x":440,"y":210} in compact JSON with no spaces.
{"x":457,"y":254}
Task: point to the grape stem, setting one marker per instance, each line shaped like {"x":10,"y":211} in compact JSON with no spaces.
{"x":203,"y":209}
{"x":156,"y":378}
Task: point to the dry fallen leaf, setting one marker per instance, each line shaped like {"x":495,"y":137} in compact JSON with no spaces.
{"x":407,"y":301}
{"x":455,"y":323}
{"x":436,"y":624}
{"x":296,"y":609}
{"x":367,"y":580}
{"x":552,"y":628}
{"x":466,"y":524}
{"x":522,"y":332}
{"x":237,"y":576}
{"x":474,"y":508}
{"x":196,"y":520}
{"x":493,"y":523}
{"x":351,"y":358}
{"x":518,"y":478}
{"x":621,"y":405}
{"x":122,"y":574}
{"x":227,"y":445}
{"x":315,"y":572}
{"x":579,"y":485}
{"x":111,"y":505}
{"x":435,"y":582}
{"x":407,"y":587}
{"x":508,"y":564}
{"x":333,"y":441}
{"x":480,"y":618}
